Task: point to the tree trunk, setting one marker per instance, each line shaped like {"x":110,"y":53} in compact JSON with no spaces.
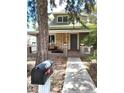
{"x":42,"y":40}
{"x":42,"y":37}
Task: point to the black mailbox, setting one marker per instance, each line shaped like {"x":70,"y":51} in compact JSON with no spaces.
{"x":41,"y":72}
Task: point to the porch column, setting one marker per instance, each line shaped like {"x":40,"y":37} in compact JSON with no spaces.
{"x":62,"y":41}
{"x":66,"y":47}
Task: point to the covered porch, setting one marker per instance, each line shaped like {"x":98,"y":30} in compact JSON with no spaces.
{"x":64,"y":42}
{"x":69,"y":38}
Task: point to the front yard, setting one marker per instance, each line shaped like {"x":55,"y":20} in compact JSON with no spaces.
{"x":57,"y":77}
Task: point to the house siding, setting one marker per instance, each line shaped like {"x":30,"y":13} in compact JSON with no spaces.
{"x":64,"y":38}
{"x":61,"y":39}
{"x":54,"y":21}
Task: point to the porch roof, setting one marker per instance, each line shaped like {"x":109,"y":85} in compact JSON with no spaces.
{"x":34,"y":33}
{"x":68,"y":31}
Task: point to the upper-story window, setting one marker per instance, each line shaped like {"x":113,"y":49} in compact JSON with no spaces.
{"x":65,"y":18}
{"x":62,"y":19}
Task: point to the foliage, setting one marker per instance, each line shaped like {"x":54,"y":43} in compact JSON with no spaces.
{"x":91,"y":26}
{"x":31,"y":10}
{"x":91,"y":38}
{"x":90,"y":57}
{"x":73,"y":7}
{"x":76,"y":7}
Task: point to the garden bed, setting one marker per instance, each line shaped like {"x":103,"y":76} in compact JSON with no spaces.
{"x":91,"y":68}
{"x":93,"y":72}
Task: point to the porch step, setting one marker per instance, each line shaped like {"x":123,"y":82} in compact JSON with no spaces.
{"x":77,"y":79}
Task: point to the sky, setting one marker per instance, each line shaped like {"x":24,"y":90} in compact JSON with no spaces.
{"x":58,"y":8}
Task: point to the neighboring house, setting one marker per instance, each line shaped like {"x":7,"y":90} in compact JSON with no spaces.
{"x":62,"y":33}
{"x":31,"y":42}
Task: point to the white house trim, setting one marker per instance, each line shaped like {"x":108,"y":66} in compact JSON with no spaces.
{"x":68,"y":31}
{"x":78,"y":41}
{"x":69,"y":42}
{"x":62,"y":18}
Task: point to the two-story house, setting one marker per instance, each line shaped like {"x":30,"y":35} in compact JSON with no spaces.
{"x":62,"y":33}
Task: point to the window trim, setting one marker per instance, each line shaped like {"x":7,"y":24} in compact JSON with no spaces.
{"x":62,"y":18}
{"x":58,"y":17}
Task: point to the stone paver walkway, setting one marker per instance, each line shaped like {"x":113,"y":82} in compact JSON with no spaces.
{"x":77,"y":79}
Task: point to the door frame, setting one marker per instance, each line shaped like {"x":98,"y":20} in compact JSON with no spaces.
{"x":77,"y":40}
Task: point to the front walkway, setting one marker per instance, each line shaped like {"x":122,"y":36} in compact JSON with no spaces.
{"x":77,"y":79}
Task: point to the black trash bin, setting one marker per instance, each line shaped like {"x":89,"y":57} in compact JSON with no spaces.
{"x":41,"y":72}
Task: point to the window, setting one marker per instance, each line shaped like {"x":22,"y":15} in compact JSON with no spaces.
{"x":62,"y":19}
{"x":65,"y":18}
{"x":51,"y":38}
{"x":59,"y":19}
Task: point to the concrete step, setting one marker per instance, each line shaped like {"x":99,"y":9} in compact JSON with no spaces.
{"x":77,"y":79}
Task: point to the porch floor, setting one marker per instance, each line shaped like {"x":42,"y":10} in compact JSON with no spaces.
{"x":74,"y":53}
{"x":70,"y":53}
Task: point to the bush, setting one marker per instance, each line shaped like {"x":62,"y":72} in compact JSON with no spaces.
{"x":90,"y":40}
{"x":90,"y":57}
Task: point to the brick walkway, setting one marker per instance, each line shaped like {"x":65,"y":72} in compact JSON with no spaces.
{"x":77,"y":79}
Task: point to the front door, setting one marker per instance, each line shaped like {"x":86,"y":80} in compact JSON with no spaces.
{"x":73,"y":41}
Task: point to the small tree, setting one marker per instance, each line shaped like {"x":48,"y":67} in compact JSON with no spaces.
{"x":91,"y":39}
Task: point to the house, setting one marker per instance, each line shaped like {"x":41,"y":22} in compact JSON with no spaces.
{"x":63,"y":34}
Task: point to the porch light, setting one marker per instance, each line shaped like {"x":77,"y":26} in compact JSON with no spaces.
{"x":51,"y":16}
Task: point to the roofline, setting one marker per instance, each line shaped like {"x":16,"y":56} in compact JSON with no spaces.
{"x":60,"y":13}
{"x":34,"y":33}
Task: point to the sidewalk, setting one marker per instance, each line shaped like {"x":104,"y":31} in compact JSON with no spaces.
{"x":77,"y":79}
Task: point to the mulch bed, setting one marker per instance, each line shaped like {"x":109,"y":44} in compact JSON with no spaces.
{"x":92,"y":70}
